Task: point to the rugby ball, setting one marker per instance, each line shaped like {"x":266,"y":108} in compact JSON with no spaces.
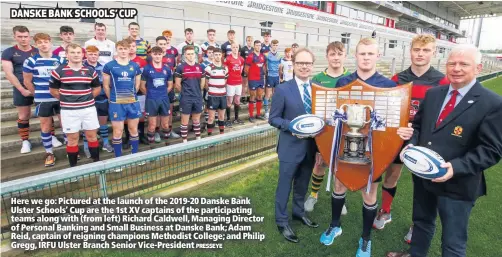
{"x":424,"y":162}
{"x":307,"y":125}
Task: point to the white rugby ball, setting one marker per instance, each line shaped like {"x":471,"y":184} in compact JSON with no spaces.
{"x":307,"y":125}
{"x":424,"y":162}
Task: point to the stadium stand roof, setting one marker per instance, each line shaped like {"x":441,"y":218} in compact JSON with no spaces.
{"x":474,"y":9}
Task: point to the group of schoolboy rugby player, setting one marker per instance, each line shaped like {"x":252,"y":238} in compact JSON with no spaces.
{"x":130,"y":82}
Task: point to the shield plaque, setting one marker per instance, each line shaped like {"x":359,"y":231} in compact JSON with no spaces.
{"x":390,"y":104}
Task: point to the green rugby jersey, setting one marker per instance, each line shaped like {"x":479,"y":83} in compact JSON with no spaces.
{"x":325,"y":80}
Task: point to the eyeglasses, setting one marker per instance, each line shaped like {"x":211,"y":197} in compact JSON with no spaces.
{"x":305,"y":64}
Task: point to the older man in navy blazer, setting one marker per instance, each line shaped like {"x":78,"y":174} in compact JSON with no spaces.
{"x":462,"y":123}
{"x":296,"y":154}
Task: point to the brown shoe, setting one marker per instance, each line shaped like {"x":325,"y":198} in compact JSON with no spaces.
{"x":50,"y":160}
{"x":398,"y":254}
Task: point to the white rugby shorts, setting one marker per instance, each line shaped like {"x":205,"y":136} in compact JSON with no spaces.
{"x":73,"y":121}
{"x":234,"y":90}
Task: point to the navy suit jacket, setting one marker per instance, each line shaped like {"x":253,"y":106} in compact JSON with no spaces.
{"x":470,"y":138}
{"x":286,"y":106}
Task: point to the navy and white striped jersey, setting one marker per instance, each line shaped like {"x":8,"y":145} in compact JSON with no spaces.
{"x":41,"y":69}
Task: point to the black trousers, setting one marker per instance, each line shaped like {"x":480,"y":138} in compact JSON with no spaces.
{"x":454,"y":216}
{"x":296,"y":176}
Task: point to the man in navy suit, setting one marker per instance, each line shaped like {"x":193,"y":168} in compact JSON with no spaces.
{"x":462,"y":124}
{"x":296,"y":154}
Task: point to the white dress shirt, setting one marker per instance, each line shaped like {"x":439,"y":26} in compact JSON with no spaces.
{"x":300,"y":83}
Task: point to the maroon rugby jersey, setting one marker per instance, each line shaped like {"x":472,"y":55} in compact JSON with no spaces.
{"x":431,"y":78}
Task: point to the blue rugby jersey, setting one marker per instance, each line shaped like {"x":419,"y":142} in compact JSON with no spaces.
{"x":227,"y":48}
{"x":17,"y":57}
{"x":101,"y":98}
{"x":122,"y":81}
{"x":171,"y":55}
{"x":376,"y":80}
{"x":41,"y":68}
{"x":204,"y":48}
{"x":265,"y":48}
{"x":190,"y":81}
{"x":273,"y":61}
{"x":156,"y":81}
{"x":204,"y":64}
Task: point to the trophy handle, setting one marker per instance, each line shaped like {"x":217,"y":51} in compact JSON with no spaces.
{"x":342,"y":108}
{"x":371,"y":110}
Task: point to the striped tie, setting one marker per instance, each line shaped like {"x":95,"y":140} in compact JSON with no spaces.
{"x":307,"y":101}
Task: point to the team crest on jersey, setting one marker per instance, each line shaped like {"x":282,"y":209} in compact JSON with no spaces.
{"x":414,"y":107}
{"x":131,"y":68}
{"x":165,"y":72}
{"x":82,"y":72}
{"x":197,"y":68}
{"x":55,"y":64}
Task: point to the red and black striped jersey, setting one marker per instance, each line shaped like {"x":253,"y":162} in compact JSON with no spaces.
{"x":431,"y":78}
{"x":75,"y":86}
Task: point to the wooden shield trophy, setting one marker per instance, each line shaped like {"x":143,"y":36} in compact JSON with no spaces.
{"x":354,"y":109}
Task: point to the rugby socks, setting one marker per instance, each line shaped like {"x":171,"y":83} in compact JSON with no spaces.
{"x":86,"y":144}
{"x":72,"y":152}
{"x":103,"y":132}
{"x":94,"y":150}
{"x":369,"y":214}
{"x":196,"y":129}
{"x":388,"y":197}
{"x":117,"y":146}
{"x":265,"y":103}
{"x":228,"y":113}
{"x":221,"y":125}
{"x":171,"y":128}
{"x":236,"y":111}
{"x":167,"y":133}
{"x":316,"y":184}
{"x":210,"y":128}
{"x":151,"y":137}
{"x":134,"y":140}
{"x":23,"y":128}
{"x":337,"y":202}
{"x":251,"y":109}
{"x":184,"y":132}
{"x":206,"y":116}
{"x":47,"y":141}
{"x":258,"y":108}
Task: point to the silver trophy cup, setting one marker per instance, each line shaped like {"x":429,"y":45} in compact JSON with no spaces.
{"x":355,"y":142}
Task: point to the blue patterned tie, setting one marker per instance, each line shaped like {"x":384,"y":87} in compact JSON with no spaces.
{"x":307,"y":101}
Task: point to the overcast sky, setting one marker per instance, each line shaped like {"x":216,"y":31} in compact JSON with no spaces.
{"x":490,"y":32}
